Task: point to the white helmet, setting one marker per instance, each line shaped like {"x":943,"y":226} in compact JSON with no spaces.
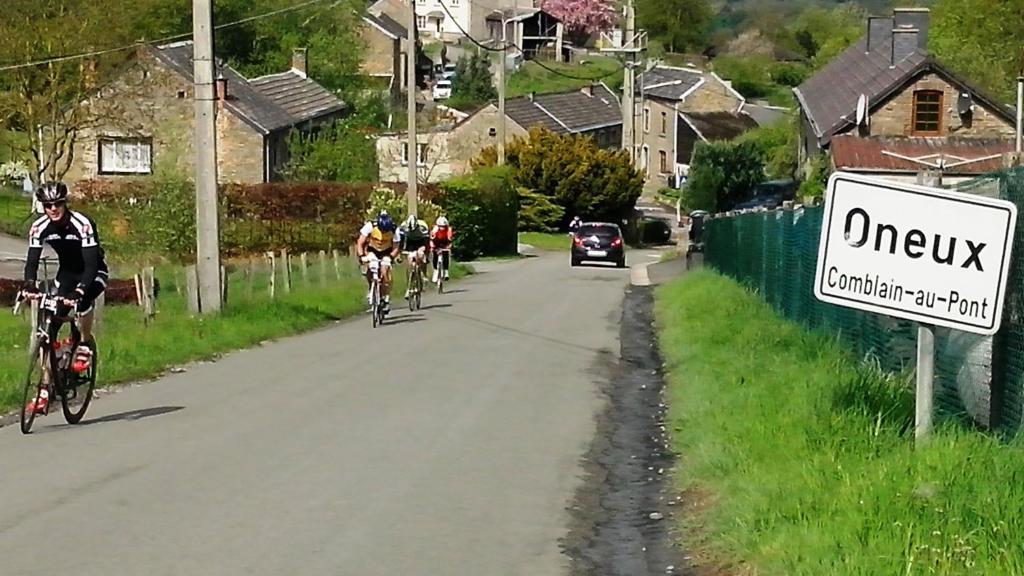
{"x":442,"y":221}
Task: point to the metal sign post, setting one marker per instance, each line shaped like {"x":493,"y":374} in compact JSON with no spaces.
{"x":920,"y":253}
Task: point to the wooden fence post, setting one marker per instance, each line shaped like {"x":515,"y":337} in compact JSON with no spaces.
{"x":337,"y":264}
{"x":304,"y":262}
{"x":273,"y":274}
{"x":33,"y":310}
{"x":250,"y":277}
{"x":223,"y":286}
{"x":98,"y":307}
{"x":192,"y":288}
{"x":322,"y":255}
{"x":286,"y":271}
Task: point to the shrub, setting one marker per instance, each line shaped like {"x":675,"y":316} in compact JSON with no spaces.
{"x":483,"y":209}
{"x":537,"y":213}
{"x":722,"y":175}
{"x":788,"y":73}
{"x":574,"y":173}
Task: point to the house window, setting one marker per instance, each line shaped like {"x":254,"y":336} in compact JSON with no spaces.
{"x":647,"y":119}
{"x":927,"y":112}
{"x":453,"y":3}
{"x":662,"y":161}
{"x":421,"y":22}
{"x":421,"y":154}
{"x":664,"y":123}
{"x":126,"y":156}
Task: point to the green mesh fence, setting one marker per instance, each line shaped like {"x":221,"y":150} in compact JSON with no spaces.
{"x":981,"y":378}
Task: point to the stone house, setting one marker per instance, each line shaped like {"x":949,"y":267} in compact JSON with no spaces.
{"x":886,"y":106}
{"x":454,"y":19}
{"x":384,"y":43}
{"x":447,"y":151}
{"x":665,"y":93}
{"x":697,"y":127}
{"x":531,"y":30}
{"x":142,"y":122}
{"x":392,"y":15}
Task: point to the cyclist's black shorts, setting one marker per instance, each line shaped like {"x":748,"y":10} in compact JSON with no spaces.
{"x":414,"y":244}
{"x":66,"y":284}
{"x":380,"y":254}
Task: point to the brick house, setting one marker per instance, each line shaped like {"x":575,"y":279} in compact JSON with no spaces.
{"x":665,"y":93}
{"x":447,"y":151}
{"x":143,"y":121}
{"x":886,"y":106}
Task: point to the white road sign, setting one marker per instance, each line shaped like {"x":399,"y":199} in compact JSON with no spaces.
{"x":915,"y":252}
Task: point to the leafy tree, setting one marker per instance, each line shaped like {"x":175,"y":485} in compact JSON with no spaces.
{"x":474,"y":83}
{"x":538,"y":213}
{"x":46,"y":98}
{"x":575,"y":174}
{"x":344,"y":151}
{"x":750,"y":76}
{"x":723,"y":174}
{"x":777,"y":146}
{"x":583,"y":18}
{"x":981,"y":39}
{"x":679,"y":25}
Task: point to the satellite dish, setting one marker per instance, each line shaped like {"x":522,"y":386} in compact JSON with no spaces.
{"x":862,"y":110}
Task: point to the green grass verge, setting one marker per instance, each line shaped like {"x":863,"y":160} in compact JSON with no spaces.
{"x":15,"y":216}
{"x":546,"y":241}
{"x":533,"y":78}
{"x":131,"y":350}
{"x":804,"y":455}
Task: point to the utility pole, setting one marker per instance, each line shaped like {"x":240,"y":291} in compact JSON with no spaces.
{"x":628,"y":83}
{"x":207,"y":233}
{"x":413,"y":156}
{"x":502,"y":60}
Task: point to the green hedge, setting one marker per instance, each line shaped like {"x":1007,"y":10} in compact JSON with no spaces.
{"x":483,"y":208}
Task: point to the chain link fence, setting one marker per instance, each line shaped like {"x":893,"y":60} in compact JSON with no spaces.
{"x":977,"y":378}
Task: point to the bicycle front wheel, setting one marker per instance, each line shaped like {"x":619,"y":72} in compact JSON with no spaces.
{"x":375,"y":304}
{"x":74,"y":401}
{"x":34,"y":384}
{"x":410,"y":284}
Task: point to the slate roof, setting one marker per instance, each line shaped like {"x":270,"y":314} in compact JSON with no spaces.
{"x":829,"y":98}
{"x":566,"y":112}
{"x":669,"y":82}
{"x":765,"y":115}
{"x":387,"y":24}
{"x":866,"y":154}
{"x":301,"y":97}
{"x":719,"y":125}
{"x":253,"y":106}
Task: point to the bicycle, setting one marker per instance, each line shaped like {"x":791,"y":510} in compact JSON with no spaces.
{"x":441,"y":267}
{"x":49,"y":354}
{"x":414,"y":279}
{"x":377,"y":305}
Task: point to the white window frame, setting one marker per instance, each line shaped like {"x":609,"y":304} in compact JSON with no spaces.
{"x":647,"y":120}
{"x":421,"y":154}
{"x":131,"y":156}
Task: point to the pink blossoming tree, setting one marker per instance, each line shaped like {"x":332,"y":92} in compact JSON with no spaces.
{"x":583,"y":18}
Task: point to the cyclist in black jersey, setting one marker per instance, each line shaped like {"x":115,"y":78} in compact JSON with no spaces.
{"x":82,"y":272}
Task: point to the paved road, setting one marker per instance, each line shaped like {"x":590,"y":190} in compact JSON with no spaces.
{"x":445,"y":443}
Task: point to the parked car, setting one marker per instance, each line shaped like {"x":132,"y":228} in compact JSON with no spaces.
{"x":655,"y":231}
{"x":443,"y":90}
{"x":598,"y":241}
{"x":448,"y":71}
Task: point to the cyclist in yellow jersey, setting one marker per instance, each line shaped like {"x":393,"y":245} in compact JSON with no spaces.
{"x":377,"y":243}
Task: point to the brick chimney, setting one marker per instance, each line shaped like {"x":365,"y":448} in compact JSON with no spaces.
{"x":879,"y":32}
{"x":300,"y":61}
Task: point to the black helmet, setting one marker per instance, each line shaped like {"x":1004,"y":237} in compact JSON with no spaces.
{"x":52,"y":192}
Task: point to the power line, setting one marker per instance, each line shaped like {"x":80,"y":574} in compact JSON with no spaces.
{"x":557,"y":72}
{"x":467,"y":35}
{"x":158,"y":41}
